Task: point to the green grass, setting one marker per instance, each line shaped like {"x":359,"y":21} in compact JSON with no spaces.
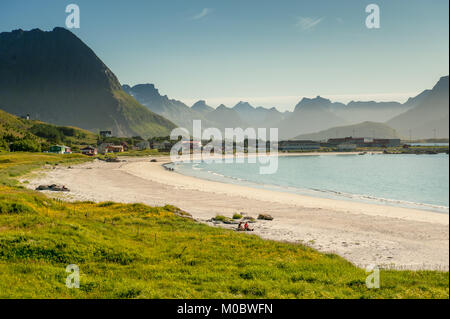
{"x":13,"y":128}
{"x":137,"y":251}
{"x":13,"y":165}
{"x":142,"y":121}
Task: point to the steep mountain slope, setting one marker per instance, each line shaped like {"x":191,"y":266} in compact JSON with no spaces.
{"x":310,"y":115}
{"x":430,"y":115}
{"x":176,"y":111}
{"x":365,"y":129}
{"x":56,"y":78}
{"x":416,"y":100}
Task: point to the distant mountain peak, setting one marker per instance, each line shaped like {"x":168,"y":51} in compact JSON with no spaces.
{"x":307,"y":103}
{"x":222,"y":107}
{"x":243,"y":106}
{"x":201,"y":107}
{"x":199,"y":102}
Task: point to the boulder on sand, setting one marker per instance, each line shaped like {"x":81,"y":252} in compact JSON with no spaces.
{"x":42,"y":188}
{"x":265,"y":217}
{"x":249,"y":219}
{"x":53,"y":187}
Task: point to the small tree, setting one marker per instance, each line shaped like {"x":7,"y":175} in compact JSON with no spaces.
{"x":25,"y":145}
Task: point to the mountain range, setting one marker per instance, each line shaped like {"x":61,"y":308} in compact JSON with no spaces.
{"x":312,"y":114}
{"x":241,"y":115}
{"x":56,"y":78}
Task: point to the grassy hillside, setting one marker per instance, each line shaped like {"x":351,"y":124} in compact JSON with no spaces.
{"x":17,"y":130}
{"x":142,"y":122}
{"x":13,"y":165}
{"x":137,"y":251}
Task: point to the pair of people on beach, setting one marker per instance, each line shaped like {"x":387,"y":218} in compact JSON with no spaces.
{"x":244,"y":227}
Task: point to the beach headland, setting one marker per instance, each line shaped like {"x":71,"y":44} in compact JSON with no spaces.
{"x":365,"y":234}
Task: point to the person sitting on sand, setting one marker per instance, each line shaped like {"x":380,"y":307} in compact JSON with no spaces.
{"x":240,"y":227}
{"x":247,"y":228}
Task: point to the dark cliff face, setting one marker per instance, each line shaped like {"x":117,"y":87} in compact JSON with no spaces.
{"x":55,"y":77}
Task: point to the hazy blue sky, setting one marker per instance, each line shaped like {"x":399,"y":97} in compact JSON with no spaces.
{"x":271,"y":53}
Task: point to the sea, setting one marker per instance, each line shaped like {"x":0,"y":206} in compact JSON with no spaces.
{"x":407,"y":180}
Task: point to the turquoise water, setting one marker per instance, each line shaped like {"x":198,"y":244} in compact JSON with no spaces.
{"x":419,"y":181}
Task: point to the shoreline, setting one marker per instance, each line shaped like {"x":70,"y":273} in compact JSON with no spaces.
{"x":338,"y":196}
{"x":192,"y":182}
{"x":365,"y":234}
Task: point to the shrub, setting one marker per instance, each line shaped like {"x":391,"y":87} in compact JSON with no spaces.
{"x":237,"y":216}
{"x":14,"y":208}
{"x":105,"y":204}
{"x":49,"y":132}
{"x":25,"y":145}
{"x":220,"y":218}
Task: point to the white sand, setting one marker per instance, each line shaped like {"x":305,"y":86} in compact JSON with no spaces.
{"x":365,"y":234}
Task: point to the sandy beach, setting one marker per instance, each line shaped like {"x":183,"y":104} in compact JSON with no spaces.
{"x":365,"y":234}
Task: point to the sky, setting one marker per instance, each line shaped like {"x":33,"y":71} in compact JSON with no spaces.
{"x":270,"y":53}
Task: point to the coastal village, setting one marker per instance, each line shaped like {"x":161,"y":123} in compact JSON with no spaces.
{"x":108,"y":144}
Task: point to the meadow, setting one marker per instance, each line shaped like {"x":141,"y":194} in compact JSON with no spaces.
{"x":137,"y":251}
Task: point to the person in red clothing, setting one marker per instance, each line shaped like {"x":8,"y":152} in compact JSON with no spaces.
{"x":247,"y":228}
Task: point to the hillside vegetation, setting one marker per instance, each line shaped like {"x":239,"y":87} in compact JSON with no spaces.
{"x":137,"y":251}
{"x":17,"y":134}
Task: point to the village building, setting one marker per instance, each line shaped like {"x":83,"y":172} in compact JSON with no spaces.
{"x":386,"y":142}
{"x":125,"y":146}
{"x":359,"y":141}
{"x":298,"y":145}
{"x":191,"y":145}
{"x":104,"y":134}
{"x":163,"y":146}
{"x":60,"y":149}
{"x":102,"y":147}
{"x":114,"y":149}
{"x":345,"y":147}
{"x":89,"y":150}
{"x":143,"y":145}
